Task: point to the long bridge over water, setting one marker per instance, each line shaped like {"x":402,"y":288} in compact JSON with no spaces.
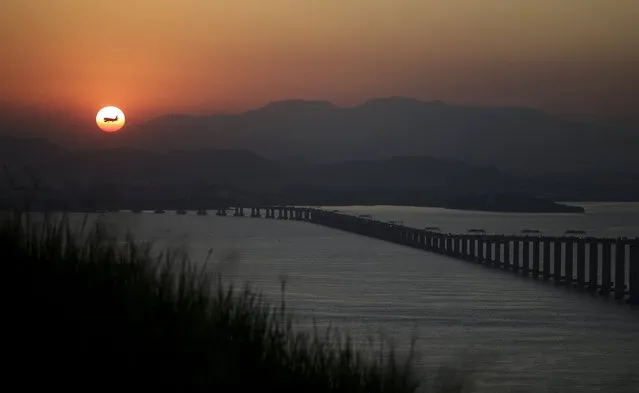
{"x":607,"y":267}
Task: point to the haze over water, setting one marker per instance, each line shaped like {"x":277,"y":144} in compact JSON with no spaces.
{"x":522,"y":335}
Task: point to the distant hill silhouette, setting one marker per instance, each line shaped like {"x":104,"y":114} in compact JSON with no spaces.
{"x":184,"y":178}
{"x":518,"y":140}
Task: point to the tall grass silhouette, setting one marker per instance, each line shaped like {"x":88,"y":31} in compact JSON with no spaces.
{"x":88,"y":311}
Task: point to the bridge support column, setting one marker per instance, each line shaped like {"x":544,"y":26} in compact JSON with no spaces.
{"x":516,"y":255}
{"x":221,"y":212}
{"x":605,"y":268}
{"x":535,"y":257}
{"x":558,"y":261}
{"x":634,"y":272}
{"x":507,"y":263}
{"x":620,"y":270}
{"x":581,"y":264}
{"x":525,"y":269}
{"x":498,"y":261}
{"x":473,"y":249}
{"x":593,"y":266}
{"x":489,"y":252}
{"x":464,"y":247}
{"x":454,"y":246}
{"x":546,"y":272}
{"x":570,"y":262}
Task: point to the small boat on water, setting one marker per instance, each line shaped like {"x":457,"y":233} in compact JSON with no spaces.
{"x":202,"y":212}
{"x":181,"y":212}
{"x":476,"y":230}
{"x":159,"y":211}
{"x":531,"y":232}
{"x":396,"y":222}
{"x":137,"y":211}
{"x":366,"y":216}
{"x":432,"y":229}
{"x":573,"y":232}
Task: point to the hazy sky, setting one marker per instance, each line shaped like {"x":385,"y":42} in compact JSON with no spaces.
{"x":150,"y":56}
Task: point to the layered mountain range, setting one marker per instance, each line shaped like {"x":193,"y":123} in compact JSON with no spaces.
{"x":121,"y":178}
{"x":516,"y":140}
{"x":385,"y":151}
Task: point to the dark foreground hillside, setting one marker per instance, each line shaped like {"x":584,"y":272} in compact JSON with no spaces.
{"x":96,"y":315}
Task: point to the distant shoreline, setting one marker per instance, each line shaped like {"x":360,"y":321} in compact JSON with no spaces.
{"x":547,"y":208}
{"x":557,"y":208}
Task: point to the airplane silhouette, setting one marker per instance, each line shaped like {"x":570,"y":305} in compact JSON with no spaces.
{"x":110,"y":119}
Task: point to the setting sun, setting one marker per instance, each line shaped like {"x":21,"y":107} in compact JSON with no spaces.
{"x":110,"y":119}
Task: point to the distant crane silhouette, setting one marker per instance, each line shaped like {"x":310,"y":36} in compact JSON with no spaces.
{"x":110,"y":119}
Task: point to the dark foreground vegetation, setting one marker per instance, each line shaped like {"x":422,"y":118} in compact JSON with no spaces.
{"x":83,"y":310}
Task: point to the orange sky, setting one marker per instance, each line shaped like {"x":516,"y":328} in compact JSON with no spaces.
{"x":153,"y":56}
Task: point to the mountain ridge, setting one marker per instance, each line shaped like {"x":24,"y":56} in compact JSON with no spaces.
{"x":514,"y":139}
{"x":180,"y":176}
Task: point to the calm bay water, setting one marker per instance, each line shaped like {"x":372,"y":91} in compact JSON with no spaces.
{"x":519,"y":334}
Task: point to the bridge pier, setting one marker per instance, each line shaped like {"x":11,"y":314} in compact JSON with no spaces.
{"x":581,"y":264}
{"x":507,"y":260}
{"x":221,"y":211}
{"x":473,"y":249}
{"x":535,"y":258}
{"x":488,"y":261}
{"x":605,"y":268}
{"x":463,"y":247}
{"x":429,"y":241}
{"x":414,"y":238}
{"x":570,"y":262}
{"x":593,"y":265}
{"x":255,"y":212}
{"x":546,"y":273}
{"x":447,"y":245}
{"x":634,"y":273}
{"x":526,"y":257}
{"x":516,"y":255}
{"x":620,"y":270}
{"x":557,"y":260}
